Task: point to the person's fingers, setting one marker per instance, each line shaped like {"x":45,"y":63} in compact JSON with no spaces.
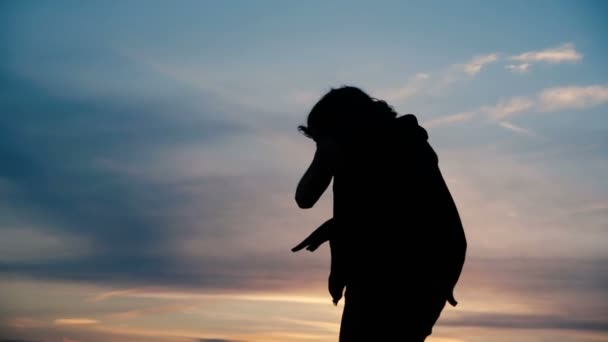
{"x":299,"y":246}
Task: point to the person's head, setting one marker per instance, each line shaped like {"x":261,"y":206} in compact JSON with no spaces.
{"x":345,"y":111}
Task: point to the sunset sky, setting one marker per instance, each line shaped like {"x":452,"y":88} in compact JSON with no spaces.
{"x":149,"y":155}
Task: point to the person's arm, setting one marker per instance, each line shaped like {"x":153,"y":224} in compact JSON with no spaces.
{"x":318,"y":175}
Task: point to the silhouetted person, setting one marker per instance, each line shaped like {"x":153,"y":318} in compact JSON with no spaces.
{"x":397,"y":242}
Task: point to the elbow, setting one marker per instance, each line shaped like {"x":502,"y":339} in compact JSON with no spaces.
{"x":304,"y":203}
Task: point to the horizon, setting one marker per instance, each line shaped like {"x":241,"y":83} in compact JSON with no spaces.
{"x":150,"y":155}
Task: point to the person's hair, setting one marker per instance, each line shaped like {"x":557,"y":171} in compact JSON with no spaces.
{"x":345,"y":110}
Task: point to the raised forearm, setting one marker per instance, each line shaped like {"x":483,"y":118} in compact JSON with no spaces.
{"x":317,"y":177}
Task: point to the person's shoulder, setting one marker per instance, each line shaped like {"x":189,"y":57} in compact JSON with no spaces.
{"x":408,"y":126}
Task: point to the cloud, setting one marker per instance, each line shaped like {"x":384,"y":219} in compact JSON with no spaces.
{"x":117,"y":224}
{"x":550,"y":100}
{"x":155,"y":310}
{"x":435,"y":83}
{"x":421,"y":76}
{"x":194,"y":294}
{"x":516,"y":129}
{"x":525,"y":321}
{"x":547,"y":100}
{"x":474,"y":66}
{"x":151,"y":191}
{"x":518,"y":68}
{"x":561,"y":54}
{"x":505,"y":108}
{"x":444,"y":120}
{"x":315,"y":324}
{"x":111,"y":294}
{"x":401,"y":93}
{"x":572,"y":97}
{"x":75,"y":321}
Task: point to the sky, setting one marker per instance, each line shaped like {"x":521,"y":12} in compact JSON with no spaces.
{"x":149,"y":155}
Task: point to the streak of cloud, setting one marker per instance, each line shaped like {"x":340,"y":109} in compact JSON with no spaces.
{"x":449,"y":119}
{"x":518,"y":68}
{"x":560,"y":54}
{"x":437,"y":82}
{"x":509,"y":107}
{"x":547,"y":100}
{"x":572,"y":97}
{"x":75,"y":321}
{"x":517,"y":129}
{"x":474,"y":66}
{"x":521,"y":321}
{"x":155,"y":310}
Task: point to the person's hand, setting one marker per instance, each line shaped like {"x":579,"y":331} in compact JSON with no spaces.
{"x":316,"y":238}
{"x":309,"y":243}
{"x":336,"y":285}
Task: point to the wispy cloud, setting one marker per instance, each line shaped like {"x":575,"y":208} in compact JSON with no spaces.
{"x":444,"y":120}
{"x":518,"y":68}
{"x":421,"y":76}
{"x":526,"y":321}
{"x":573,"y":97}
{"x":550,"y":100}
{"x":565,"y":53}
{"x":155,"y":310}
{"x":547,"y":100}
{"x":474,"y":66}
{"x":508,"y":107}
{"x":396,"y":94}
{"x":434,"y":83}
{"x":183,"y":295}
{"x":428,"y":83}
{"x":111,"y":294}
{"x":75,"y":321}
{"x":517,"y":129}
{"x":561,"y":54}
{"x":329,"y":326}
